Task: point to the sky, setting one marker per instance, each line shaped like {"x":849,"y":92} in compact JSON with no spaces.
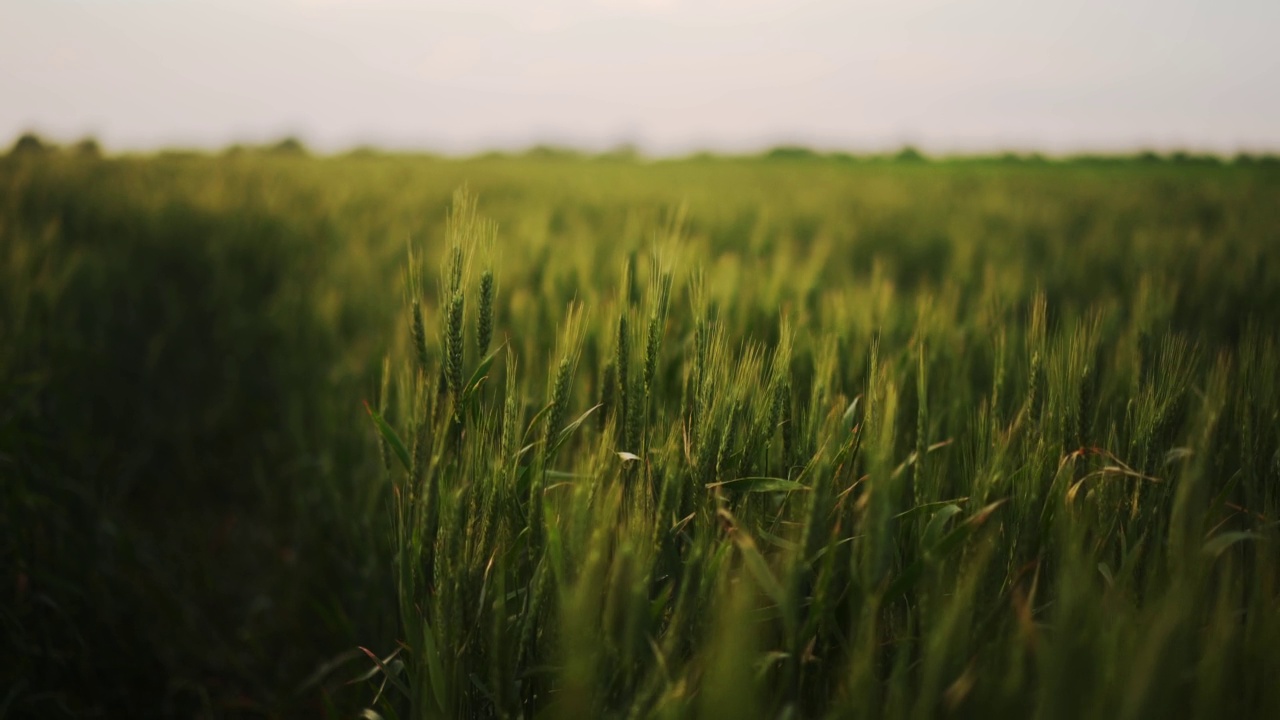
{"x":668,"y":76}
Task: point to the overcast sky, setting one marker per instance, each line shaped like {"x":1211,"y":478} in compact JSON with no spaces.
{"x":667,"y":75}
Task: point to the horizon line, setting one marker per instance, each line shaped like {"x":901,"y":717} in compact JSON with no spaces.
{"x":298,"y":143}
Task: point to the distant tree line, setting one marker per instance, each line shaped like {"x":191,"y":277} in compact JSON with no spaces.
{"x":32,"y":144}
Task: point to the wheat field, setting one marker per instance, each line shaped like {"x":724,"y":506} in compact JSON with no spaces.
{"x":550,"y":435}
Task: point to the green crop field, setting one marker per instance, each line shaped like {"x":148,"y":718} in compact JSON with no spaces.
{"x":563,"y":437}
